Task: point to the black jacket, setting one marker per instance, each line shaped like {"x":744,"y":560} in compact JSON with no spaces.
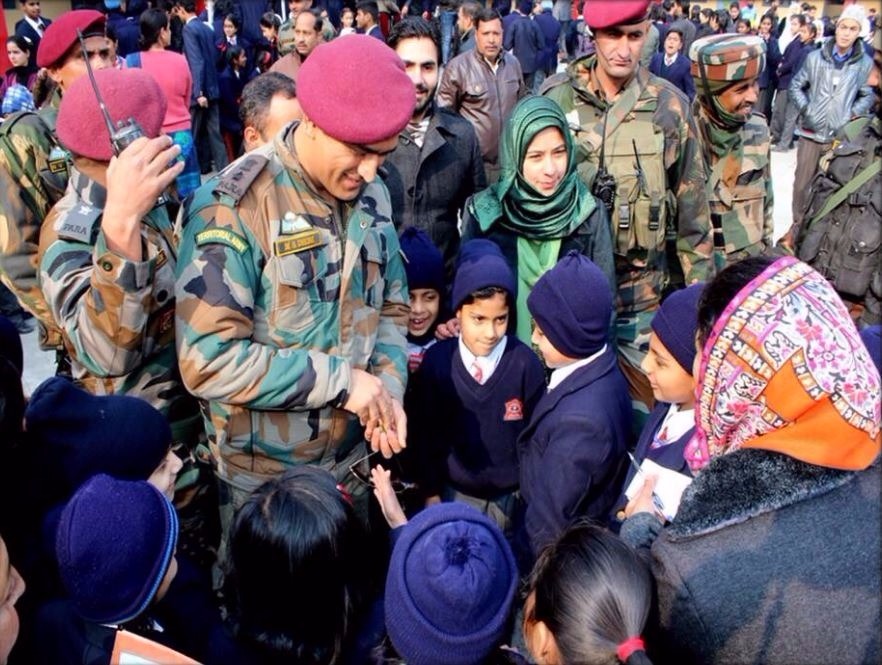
{"x":428,"y":187}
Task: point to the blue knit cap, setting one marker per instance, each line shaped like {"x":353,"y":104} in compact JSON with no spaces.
{"x":423,"y":262}
{"x":676,"y":322}
{"x":450,"y":587}
{"x":572,"y":305}
{"x":480,"y":265}
{"x":114,"y":544}
{"x":85,"y":434}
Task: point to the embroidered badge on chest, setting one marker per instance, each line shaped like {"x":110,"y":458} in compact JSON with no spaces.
{"x":298,"y":242}
{"x":514,"y":410}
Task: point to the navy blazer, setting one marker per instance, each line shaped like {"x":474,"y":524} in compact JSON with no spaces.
{"x":201,"y":56}
{"x":25,"y":30}
{"x":669,"y":456}
{"x":572,"y":453}
{"x":679,"y":73}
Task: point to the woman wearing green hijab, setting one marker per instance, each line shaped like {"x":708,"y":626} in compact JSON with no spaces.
{"x":539,"y":209}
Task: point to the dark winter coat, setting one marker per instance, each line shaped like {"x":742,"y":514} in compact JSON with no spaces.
{"x":769,"y":560}
{"x":679,"y":73}
{"x":572,"y":454}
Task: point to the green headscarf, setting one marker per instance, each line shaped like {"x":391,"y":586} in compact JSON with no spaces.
{"x":539,"y":221}
{"x":511,"y":201}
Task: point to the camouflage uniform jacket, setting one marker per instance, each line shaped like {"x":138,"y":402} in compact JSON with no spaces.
{"x":33,"y":177}
{"x":116,"y":315}
{"x":652,"y":150}
{"x":279,"y":296}
{"x":740,"y":192}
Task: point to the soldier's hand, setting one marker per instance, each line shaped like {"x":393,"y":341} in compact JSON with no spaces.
{"x":135,"y":179}
{"x":369,"y":400}
{"x":391,"y":440}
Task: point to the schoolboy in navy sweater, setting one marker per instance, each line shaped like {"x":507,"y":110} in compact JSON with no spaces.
{"x":573,"y":452}
{"x":472,"y":396}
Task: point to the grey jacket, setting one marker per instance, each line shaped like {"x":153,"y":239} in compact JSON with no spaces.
{"x":769,"y":560}
{"x":827,"y":97}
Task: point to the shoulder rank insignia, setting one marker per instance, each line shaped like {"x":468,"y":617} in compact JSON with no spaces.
{"x":79,"y":223}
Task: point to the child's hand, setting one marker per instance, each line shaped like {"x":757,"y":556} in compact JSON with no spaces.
{"x":386,"y":498}
{"x":643,"y":502}
{"x":447,"y":330}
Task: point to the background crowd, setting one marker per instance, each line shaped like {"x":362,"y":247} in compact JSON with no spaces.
{"x":441,"y":333}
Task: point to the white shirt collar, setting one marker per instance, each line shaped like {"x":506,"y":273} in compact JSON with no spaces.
{"x":670,"y":61}
{"x":37,"y":25}
{"x":487,"y":363}
{"x":561,"y":373}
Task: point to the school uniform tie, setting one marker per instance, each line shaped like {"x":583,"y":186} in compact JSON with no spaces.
{"x":477,"y":372}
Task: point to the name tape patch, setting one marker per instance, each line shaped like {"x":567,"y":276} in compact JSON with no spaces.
{"x":298,"y":242}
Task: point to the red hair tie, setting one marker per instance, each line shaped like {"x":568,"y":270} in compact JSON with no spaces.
{"x":628,"y":647}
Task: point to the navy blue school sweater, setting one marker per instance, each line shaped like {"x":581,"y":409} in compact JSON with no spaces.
{"x":468,"y":432}
{"x":573,"y":452}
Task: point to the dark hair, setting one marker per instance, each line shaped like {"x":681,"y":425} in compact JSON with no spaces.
{"x":675,"y":31}
{"x":486,"y":293}
{"x":800,"y":18}
{"x":707,"y":13}
{"x":593,"y":592}
{"x":23,"y":44}
{"x":415,"y":27}
{"x":270,"y":20}
{"x":724,"y":287}
{"x":744,"y":21}
{"x":813,"y":29}
{"x":232,"y":53}
{"x":188,"y":6}
{"x":295,"y":569}
{"x":684,"y":5}
{"x":151,"y":23}
{"x":735,"y":3}
{"x":235,"y":20}
{"x":110,"y":32}
{"x":369,"y":7}
{"x":317,"y":26}
{"x":257,"y":95}
{"x":694,"y":12}
{"x":485,"y":15}
{"x":656,"y":13}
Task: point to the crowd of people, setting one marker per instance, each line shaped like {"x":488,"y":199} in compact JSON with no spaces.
{"x":441,"y":335}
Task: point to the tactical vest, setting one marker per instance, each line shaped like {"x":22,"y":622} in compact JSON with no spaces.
{"x":842,"y":236}
{"x":634,"y":156}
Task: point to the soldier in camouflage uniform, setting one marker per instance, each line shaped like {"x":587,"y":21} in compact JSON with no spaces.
{"x":639,"y":130}
{"x":34,"y":166}
{"x":735,"y":143}
{"x":107,"y":258}
{"x":292,"y":301}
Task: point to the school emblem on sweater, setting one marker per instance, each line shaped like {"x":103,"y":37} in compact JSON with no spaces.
{"x":514,"y":410}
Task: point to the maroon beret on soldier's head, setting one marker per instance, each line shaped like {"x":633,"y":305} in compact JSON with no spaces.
{"x":601,"y":14}
{"x":356,"y":90}
{"x":127,"y":93}
{"x":62,"y":34}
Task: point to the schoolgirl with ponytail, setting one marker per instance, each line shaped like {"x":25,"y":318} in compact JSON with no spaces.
{"x":588,"y":601}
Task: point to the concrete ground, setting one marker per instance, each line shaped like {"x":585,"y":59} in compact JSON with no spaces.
{"x":39,"y":365}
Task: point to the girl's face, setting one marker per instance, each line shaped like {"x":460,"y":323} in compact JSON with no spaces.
{"x":17,"y":57}
{"x":742,"y":28}
{"x":229,"y":28}
{"x":545,"y":162}
{"x":765,"y":26}
{"x":424,"y":307}
{"x":347,"y":18}
{"x":242,"y":60}
{"x":268,"y":33}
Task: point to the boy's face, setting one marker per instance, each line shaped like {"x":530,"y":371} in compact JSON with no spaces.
{"x":424,"y":306}
{"x":670,"y":382}
{"x":552,"y":357}
{"x":31,"y":9}
{"x":483,"y":323}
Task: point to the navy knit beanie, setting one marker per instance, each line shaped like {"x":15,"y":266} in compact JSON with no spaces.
{"x":85,"y":434}
{"x":423,"y":262}
{"x":572,"y":304}
{"x":479,"y":266}
{"x":872,"y":337}
{"x":676,"y":322}
{"x":450,"y":587}
{"x":115,"y":541}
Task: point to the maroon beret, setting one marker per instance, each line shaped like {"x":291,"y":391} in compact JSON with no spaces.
{"x":607,"y":13}
{"x":127,"y":93}
{"x":62,"y":34}
{"x":356,"y":90}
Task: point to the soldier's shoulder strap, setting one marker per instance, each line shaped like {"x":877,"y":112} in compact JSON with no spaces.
{"x":10,"y":123}
{"x":79,"y":224}
{"x":233,"y":182}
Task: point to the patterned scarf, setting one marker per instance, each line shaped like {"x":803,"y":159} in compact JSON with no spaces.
{"x":784,"y":369}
